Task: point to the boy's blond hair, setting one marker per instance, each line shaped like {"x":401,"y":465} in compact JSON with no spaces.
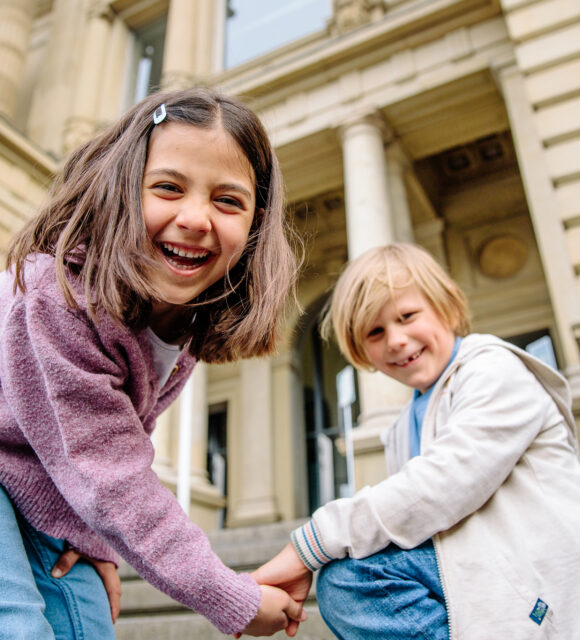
{"x":369,"y":281}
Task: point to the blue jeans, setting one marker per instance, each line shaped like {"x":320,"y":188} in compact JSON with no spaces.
{"x":35,"y":606}
{"x":395,"y":594}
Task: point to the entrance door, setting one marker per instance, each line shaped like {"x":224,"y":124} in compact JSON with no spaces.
{"x":326,"y":466}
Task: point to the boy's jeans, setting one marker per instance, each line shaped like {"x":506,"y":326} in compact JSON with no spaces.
{"x":395,"y":594}
{"x":35,"y":606}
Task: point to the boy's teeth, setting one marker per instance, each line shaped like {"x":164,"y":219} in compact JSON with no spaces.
{"x":410,"y":359}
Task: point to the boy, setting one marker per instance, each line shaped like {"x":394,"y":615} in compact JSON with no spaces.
{"x":475,"y":533}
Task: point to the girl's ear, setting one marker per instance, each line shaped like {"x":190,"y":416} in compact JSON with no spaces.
{"x":260,"y":212}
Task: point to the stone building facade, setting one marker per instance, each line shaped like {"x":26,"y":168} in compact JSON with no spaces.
{"x":451,"y":123}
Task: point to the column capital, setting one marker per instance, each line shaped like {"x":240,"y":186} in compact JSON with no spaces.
{"x":366,"y":117}
{"x":100,"y":9}
{"x":177,"y":80}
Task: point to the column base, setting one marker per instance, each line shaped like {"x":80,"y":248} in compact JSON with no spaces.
{"x":253,"y":512}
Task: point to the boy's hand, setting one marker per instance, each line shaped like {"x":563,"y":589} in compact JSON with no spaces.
{"x":289,"y":573}
{"x":106,"y":570}
{"x":277,"y":611}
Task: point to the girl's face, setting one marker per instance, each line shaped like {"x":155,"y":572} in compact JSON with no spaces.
{"x":198,"y":200}
{"x":409,"y":341}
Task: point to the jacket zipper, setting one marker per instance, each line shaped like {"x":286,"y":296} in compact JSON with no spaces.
{"x":436,"y":544}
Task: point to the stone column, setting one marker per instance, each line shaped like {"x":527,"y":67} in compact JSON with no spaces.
{"x":256,"y":503}
{"x":397,"y":167}
{"x":370,"y":222}
{"x":54,"y":91}
{"x":16,"y":17}
{"x":543,"y":207}
{"x":178,"y":56}
{"x":218,"y":45}
{"x":199,"y":424}
{"x":83,"y":122}
{"x":369,"y":216}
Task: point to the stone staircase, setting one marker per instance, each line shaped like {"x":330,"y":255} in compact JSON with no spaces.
{"x":148,"y":614}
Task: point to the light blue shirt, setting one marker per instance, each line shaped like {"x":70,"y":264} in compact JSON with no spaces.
{"x":419,"y":406}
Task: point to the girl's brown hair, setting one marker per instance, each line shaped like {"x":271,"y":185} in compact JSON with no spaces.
{"x":93,"y":225}
{"x":368,"y":282}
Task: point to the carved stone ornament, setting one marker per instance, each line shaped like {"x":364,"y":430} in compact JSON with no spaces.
{"x":502,"y":256}
{"x":350,"y":14}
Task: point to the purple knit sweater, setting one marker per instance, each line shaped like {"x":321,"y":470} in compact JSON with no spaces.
{"x":78,"y":403}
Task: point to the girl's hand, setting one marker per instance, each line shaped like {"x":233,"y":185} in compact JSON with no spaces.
{"x":289,"y":573}
{"x":277,"y":611}
{"x":106,"y":570}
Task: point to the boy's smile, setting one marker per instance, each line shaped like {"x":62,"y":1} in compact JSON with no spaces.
{"x":409,"y":341}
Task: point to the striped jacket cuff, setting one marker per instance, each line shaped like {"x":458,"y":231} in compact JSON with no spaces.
{"x":309,"y":546}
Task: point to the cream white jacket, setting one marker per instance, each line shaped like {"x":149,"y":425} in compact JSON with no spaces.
{"x":497,"y":486}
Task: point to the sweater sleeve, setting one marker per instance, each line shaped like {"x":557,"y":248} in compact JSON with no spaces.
{"x":497,"y":410}
{"x":69,"y":398}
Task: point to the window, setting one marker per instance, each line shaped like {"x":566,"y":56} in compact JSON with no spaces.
{"x":148,"y":59}
{"x":217,"y":441}
{"x":327,"y":466}
{"x":254,"y":27}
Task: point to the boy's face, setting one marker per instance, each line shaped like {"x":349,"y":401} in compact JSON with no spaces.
{"x":409,"y":341}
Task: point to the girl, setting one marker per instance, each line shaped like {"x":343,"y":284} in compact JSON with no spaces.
{"x":474,"y":533}
{"x":163,"y":243}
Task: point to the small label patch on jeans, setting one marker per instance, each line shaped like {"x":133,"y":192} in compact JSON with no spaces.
{"x":539,"y":611}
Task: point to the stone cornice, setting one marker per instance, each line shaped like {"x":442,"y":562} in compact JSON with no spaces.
{"x":411,"y":24}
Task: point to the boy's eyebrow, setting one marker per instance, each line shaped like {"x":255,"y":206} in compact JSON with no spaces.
{"x":183,"y":178}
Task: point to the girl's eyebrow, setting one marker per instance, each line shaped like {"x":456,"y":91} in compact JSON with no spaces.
{"x":232,"y":186}
{"x":228,"y":186}
{"x":167,"y":172}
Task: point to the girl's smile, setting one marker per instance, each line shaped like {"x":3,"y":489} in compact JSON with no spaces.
{"x":198,"y":201}
{"x":409,"y":341}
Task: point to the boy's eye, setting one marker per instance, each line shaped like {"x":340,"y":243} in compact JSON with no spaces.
{"x":407,"y":315}
{"x":375,"y":332}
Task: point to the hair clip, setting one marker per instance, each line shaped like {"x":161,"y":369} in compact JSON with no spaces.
{"x":159,"y":114}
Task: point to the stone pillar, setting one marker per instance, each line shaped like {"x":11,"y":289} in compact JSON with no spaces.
{"x":54,"y":91}
{"x":16,"y":17}
{"x":397,"y":167}
{"x":370,"y":222}
{"x":218,"y":46}
{"x":84,"y":119}
{"x":199,"y":424}
{"x":256,"y":502}
{"x":369,"y":216}
{"x":549,"y":231}
{"x":179,"y":53}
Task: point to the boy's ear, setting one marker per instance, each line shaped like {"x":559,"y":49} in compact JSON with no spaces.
{"x":454,"y":321}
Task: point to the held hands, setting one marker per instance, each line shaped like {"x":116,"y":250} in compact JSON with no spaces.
{"x":287,"y":572}
{"x":277,"y":611}
{"x":106,"y":570}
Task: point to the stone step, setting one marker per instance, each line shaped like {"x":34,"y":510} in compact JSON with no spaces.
{"x":147,"y":613}
{"x":189,"y":626}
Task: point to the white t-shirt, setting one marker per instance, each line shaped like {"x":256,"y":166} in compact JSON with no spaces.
{"x":164,"y":356}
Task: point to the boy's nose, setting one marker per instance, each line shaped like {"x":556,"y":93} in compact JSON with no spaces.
{"x":396,"y":338}
{"x":195,"y":217}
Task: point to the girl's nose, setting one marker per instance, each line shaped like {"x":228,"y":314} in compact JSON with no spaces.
{"x":195,"y":217}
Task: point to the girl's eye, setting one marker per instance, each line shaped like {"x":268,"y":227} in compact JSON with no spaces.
{"x":167,"y":187}
{"x":230,"y":201}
